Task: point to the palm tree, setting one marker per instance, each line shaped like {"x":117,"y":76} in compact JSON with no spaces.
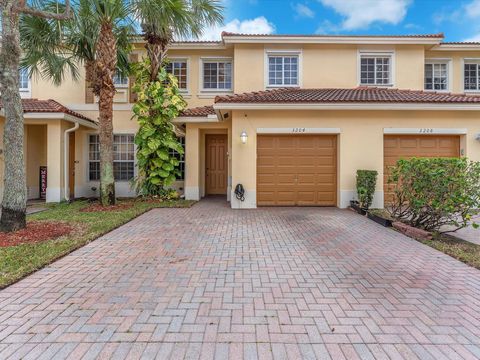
{"x":14,"y":202}
{"x":162,"y":20}
{"x":96,"y":37}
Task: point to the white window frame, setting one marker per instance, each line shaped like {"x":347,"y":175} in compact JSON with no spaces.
{"x":215,"y":59}
{"x":87,"y":156}
{"x":182,"y":158}
{"x":434,"y":61}
{"x":25,"y":92}
{"x":283,"y":53}
{"x":381,"y":54}
{"x":466,"y":61}
{"x":186,"y":60}
{"x":120,"y":85}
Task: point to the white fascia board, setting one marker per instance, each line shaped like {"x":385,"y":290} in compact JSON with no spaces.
{"x":425,"y":131}
{"x":195,"y":119}
{"x":345,"y":106}
{"x":60,"y":116}
{"x":329,"y":40}
{"x":456,"y":47}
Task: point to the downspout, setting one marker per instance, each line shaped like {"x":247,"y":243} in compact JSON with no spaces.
{"x":66,"y":174}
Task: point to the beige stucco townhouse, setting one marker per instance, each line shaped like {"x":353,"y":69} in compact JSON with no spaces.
{"x":291,"y":118}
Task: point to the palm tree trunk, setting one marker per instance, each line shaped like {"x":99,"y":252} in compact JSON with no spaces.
{"x":156,"y":52}
{"x":14,"y":201}
{"x":106,"y":63}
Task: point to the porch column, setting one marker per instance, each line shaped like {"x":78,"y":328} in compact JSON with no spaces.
{"x":54,"y":161}
{"x":192,"y":162}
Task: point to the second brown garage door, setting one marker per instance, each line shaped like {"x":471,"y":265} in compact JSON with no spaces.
{"x":296,"y":170}
{"x":407,"y":146}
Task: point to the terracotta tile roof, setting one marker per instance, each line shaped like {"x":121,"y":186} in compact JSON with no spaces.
{"x":460,"y":43}
{"x":360,"y":94}
{"x":438,"y":35}
{"x":49,"y":106}
{"x":201,"y":111}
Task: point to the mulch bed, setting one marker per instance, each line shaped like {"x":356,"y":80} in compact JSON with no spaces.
{"x":97,"y":207}
{"x":36,"y":231}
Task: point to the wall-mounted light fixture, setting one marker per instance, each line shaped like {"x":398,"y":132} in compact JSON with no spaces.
{"x":244,"y":137}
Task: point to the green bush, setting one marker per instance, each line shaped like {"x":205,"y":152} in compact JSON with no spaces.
{"x":366,"y":182}
{"x":435,"y":194}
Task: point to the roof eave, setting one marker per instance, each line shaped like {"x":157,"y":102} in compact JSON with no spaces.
{"x":232,"y":39}
{"x":456,"y":47}
{"x":348,"y":106}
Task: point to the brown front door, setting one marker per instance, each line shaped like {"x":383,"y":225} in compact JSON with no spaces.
{"x":396,"y":147}
{"x":297,"y":170}
{"x":71,"y":164}
{"x":216,"y":164}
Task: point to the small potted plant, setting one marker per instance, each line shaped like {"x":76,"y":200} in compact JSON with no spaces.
{"x":366,"y":182}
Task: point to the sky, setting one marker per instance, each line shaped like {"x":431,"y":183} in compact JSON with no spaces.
{"x":459,"y":20}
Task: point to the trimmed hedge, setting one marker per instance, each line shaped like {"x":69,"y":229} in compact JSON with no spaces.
{"x":435,"y":193}
{"x":366,"y":182}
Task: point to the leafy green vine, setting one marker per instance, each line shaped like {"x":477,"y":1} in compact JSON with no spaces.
{"x":158,"y":103}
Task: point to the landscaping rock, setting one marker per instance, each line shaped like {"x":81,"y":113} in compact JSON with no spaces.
{"x":412,"y":231}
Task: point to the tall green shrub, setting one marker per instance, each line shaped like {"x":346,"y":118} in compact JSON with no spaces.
{"x":158,"y":103}
{"x":366,"y":182}
{"x":435,"y":194}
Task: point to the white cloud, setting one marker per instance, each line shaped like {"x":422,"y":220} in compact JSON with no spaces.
{"x":303,"y":11}
{"x":475,"y":38}
{"x":457,"y":14}
{"x":360,"y":14}
{"x":259,"y":25}
{"x":472,"y":9}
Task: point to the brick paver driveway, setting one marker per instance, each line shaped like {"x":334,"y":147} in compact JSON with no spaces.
{"x":212,"y":282}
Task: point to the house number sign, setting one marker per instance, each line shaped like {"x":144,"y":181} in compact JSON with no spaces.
{"x":426,"y":131}
{"x":298,"y":130}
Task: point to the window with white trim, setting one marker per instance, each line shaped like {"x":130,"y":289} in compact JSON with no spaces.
{"x":375,"y":69}
{"x":23,"y":79}
{"x":178,"y":68}
{"x":123,"y":157}
{"x":180,"y":158}
{"x":217,"y":75}
{"x":472,"y":76}
{"x":119,"y":80}
{"x":283,"y":70}
{"x":436,"y":76}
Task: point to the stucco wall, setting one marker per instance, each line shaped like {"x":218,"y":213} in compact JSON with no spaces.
{"x":36,"y":156}
{"x":360,"y":142}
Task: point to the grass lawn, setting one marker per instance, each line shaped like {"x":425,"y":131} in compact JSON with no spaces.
{"x":462,"y":250}
{"x":18,"y":261}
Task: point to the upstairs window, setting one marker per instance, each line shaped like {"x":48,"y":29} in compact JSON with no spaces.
{"x":375,"y":70}
{"x":119,"y":80}
{"x":471,"y":76}
{"x":178,"y":68}
{"x":436,"y":76}
{"x":23,"y":79}
{"x":283,"y":70}
{"x":123,"y":157}
{"x":217,"y":75}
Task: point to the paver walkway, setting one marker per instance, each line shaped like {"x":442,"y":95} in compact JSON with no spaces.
{"x":279,"y":283}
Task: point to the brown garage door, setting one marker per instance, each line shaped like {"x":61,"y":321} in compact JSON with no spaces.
{"x":296,"y":170}
{"x":407,"y":146}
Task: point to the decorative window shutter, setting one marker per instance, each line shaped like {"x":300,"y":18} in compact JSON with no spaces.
{"x":131,"y":80}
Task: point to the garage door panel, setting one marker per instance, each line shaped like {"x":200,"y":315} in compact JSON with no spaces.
{"x":407,"y":146}
{"x":301,"y":170}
